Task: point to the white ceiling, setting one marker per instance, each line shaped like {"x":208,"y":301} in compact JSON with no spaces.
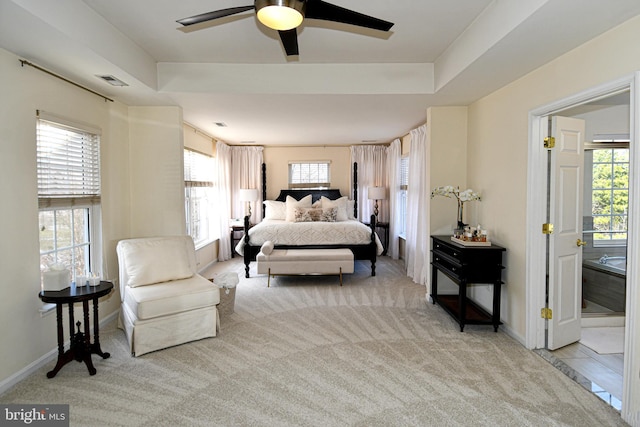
{"x":348,"y":84}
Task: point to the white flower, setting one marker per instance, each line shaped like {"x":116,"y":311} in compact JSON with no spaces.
{"x":451,"y":191}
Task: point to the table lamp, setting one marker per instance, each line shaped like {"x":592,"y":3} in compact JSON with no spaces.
{"x":376,"y":193}
{"x":248,"y":195}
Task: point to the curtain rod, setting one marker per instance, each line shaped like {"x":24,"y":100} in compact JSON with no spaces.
{"x":24,"y":62}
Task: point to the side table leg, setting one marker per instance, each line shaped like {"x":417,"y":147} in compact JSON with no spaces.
{"x":85,"y":348}
{"x":95,"y":347}
{"x":61,"y":362}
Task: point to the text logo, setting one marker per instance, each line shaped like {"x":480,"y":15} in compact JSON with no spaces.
{"x":34,"y":415}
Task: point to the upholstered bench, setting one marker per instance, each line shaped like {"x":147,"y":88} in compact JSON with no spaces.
{"x":274,"y":262}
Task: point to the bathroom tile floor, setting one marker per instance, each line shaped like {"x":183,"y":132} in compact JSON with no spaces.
{"x":599,"y":373}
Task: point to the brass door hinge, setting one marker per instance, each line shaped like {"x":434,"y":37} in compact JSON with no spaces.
{"x":546,"y":313}
{"x":547,"y":228}
{"x":549,"y":142}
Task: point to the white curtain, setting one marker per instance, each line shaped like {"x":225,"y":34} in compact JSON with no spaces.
{"x":418,"y":196}
{"x":372,"y":172}
{"x":246,"y":173}
{"x":394,"y":153}
{"x":223,"y":156}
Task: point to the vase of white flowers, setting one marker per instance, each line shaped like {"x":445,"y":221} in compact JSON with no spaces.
{"x":460,"y":196}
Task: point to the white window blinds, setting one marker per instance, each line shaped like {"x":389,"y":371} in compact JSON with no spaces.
{"x":404,"y":173}
{"x":309,"y":174}
{"x":68,"y":164}
{"x":199,"y":169}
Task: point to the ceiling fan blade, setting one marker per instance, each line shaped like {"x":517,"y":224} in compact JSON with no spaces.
{"x":318,"y":9}
{"x":204,"y":17}
{"x":289,"y":41}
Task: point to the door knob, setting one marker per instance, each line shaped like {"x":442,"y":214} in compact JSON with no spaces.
{"x":580,"y":242}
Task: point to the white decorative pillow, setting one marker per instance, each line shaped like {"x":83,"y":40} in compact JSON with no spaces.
{"x":292,"y":204}
{"x":340,"y":204}
{"x":351,"y":204}
{"x":267,"y":247}
{"x":275,"y":210}
{"x":155,"y":261}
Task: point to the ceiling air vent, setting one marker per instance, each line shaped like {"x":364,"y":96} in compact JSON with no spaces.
{"x":112,"y":80}
{"x":221,"y":124}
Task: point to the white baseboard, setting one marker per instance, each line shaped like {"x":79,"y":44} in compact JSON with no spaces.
{"x":45,"y":359}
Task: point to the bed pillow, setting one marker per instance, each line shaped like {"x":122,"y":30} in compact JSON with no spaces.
{"x":340,"y":204}
{"x":351,"y":204}
{"x":155,"y":261}
{"x":292,"y":204}
{"x":315,"y":214}
{"x":267,"y":247}
{"x":275,"y":210}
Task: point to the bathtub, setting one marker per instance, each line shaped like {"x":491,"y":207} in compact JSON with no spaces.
{"x":605,"y":283}
{"x":614,"y":265}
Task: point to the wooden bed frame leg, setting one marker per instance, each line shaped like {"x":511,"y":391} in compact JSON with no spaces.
{"x":373,"y":267}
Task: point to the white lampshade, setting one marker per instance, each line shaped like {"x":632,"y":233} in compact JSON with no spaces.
{"x":377,"y":193}
{"x":248,"y":194}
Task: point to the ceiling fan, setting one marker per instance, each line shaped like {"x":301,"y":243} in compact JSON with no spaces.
{"x":286,"y":15}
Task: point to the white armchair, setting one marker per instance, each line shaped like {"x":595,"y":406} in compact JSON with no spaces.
{"x":165,"y":302}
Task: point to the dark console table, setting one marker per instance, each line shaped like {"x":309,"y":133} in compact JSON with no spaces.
{"x":466,"y":265}
{"x":81,"y":347}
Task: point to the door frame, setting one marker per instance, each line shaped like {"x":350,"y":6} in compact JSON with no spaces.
{"x":536,"y":216}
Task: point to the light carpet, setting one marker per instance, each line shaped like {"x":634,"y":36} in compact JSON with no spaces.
{"x":605,"y":340}
{"x":307,"y":352}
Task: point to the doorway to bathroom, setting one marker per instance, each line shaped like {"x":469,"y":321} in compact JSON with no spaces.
{"x":537,"y":280}
{"x":598,"y":355}
{"x":605,"y":209}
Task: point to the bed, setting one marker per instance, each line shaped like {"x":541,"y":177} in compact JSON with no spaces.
{"x":343,"y":232}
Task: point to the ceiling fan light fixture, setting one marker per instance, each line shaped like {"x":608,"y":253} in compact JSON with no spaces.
{"x":280,"y":15}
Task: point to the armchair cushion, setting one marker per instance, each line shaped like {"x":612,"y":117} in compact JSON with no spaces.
{"x":167,"y":298}
{"x":151,"y":261}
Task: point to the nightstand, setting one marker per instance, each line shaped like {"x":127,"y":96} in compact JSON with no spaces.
{"x":384,"y":226}
{"x":236,"y":226}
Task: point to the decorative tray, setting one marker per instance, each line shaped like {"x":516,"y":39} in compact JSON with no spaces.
{"x":469,"y":242}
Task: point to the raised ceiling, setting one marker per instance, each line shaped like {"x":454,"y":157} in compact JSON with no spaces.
{"x":348,"y":84}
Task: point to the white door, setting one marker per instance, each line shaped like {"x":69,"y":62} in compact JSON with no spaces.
{"x":565,"y":243}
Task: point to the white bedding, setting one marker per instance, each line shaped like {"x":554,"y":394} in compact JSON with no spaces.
{"x":310,"y":233}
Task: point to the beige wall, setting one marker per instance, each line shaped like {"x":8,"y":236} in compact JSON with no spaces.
{"x":197,"y":140}
{"x":447,"y":127}
{"x":142,"y":194}
{"x":26,"y":335}
{"x":157,"y":171}
{"x":498,"y":144}
{"x":277,"y":160}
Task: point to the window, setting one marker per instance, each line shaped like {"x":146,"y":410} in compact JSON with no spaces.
{"x":309,"y":174}
{"x":404,"y":184}
{"x":68,"y":170}
{"x":199,"y":179}
{"x":610,"y":195}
